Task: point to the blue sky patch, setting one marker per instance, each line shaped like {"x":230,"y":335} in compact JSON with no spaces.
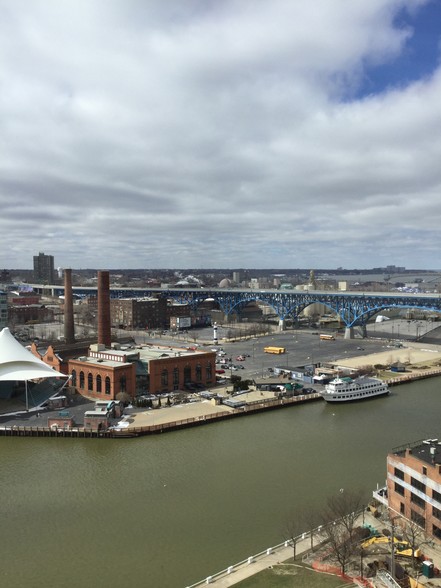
{"x":420,"y":57}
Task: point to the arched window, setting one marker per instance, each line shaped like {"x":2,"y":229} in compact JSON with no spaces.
{"x":89,"y":381}
{"x":175,"y":376}
{"x":198,"y":373}
{"x":107,"y":385}
{"x":98,"y":383}
{"x":81,"y":379}
{"x":187,"y":374}
{"x":122,"y":384}
{"x":74,"y":378}
{"x":164,"y":378}
{"x":209,"y":371}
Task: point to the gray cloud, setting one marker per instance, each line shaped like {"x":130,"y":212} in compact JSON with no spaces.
{"x":165,"y":134}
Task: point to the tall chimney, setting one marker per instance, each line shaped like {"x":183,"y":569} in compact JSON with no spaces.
{"x":104,"y":332}
{"x":69,"y":328}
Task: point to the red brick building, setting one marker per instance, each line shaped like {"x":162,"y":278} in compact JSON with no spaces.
{"x":135,"y":313}
{"x":104,"y":373}
{"x":177,"y":369}
{"x":414,"y":484}
{"x":57,"y":356}
{"x":21,"y":314}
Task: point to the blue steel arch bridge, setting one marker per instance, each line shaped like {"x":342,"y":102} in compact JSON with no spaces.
{"x":353,"y":308}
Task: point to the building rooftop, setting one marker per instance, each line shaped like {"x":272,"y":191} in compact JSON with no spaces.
{"x":144,"y":353}
{"x":102,"y":361}
{"x":427,"y":450}
{"x":148,"y":352}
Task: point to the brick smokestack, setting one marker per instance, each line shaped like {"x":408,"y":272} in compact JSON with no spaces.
{"x":104,"y":332}
{"x":69,"y":328}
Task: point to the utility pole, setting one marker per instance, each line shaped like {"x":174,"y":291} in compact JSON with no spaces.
{"x":392,"y":551}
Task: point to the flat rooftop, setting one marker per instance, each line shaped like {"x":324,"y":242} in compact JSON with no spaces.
{"x":148,"y":352}
{"x":427,"y":450}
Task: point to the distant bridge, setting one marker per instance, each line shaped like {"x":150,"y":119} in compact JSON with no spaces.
{"x":353,"y":308}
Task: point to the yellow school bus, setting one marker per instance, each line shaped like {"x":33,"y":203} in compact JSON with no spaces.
{"x":276,"y":350}
{"x":327,"y":338}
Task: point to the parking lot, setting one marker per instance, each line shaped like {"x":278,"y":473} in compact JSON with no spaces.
{"x":303,"y":347}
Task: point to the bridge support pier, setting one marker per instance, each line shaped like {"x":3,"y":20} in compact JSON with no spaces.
{"x":349,"y":333}
{"x":282,"y":326}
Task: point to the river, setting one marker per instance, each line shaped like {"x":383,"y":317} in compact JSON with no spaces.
{"x":169,"y":510}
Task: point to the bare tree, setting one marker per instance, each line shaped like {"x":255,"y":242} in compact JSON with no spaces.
{"x":298,"y":526}
{"x":292,"y":532}
{"x":339,"y":520}
{"x":415,"y":537}
{"x":311,"y":520}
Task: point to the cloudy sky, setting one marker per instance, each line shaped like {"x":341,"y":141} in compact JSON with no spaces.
{"x":220,"y":133}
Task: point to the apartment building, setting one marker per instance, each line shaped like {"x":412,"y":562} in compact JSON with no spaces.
{"x":414,"y":484}
{"x":44,"y":271}
{"x":3,"y":309}
{"x":135,"y":313}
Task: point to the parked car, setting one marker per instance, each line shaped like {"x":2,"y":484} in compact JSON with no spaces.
{"x":240,"y":358}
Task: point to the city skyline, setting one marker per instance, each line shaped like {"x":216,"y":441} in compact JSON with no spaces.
{"x":233,"y":134}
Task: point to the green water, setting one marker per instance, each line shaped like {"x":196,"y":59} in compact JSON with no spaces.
{"x":167,"y":511}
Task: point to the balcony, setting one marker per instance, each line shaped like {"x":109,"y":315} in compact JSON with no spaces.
{"x":381,"y":495}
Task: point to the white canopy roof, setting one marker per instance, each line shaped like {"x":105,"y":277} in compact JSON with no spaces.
{"x":18,"y":363}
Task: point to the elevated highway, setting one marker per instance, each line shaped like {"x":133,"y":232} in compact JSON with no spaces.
{"x":353,"y":308}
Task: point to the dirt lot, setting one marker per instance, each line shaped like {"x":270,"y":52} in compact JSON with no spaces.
{"x":416,"y":356}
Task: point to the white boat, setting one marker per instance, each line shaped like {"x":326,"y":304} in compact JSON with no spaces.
{"x":349,"y":390}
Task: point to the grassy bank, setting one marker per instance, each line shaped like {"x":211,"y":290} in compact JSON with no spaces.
{"x":290,"y":575}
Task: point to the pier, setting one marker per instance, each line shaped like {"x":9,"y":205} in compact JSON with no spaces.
{"x":171,"y":424}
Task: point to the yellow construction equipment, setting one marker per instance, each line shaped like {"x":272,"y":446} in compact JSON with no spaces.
{"x":401,"y":547}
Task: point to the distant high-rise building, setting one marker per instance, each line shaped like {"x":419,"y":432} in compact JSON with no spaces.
{"x":3,"y":309}
{"x":44,"y":269}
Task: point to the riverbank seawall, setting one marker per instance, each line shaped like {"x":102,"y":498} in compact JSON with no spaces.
{"x":130,"y":429}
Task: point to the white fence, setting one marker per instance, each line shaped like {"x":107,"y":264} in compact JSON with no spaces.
{"x":259,"y":556}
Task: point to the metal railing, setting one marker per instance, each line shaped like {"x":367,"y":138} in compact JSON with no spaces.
{"x":258,"y":556}
{"x":316,"y":534}
{"x":387,"y":579}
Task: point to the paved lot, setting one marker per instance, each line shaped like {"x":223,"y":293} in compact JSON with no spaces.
{"x":302,"y":347}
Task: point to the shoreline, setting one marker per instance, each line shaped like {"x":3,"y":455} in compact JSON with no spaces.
{"x":426,"y":364}
{"x":133,"y":430}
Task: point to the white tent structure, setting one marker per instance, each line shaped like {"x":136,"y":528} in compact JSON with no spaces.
{"x":19,"y":364}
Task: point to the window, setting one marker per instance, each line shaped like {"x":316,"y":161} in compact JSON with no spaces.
{"x":418,"y":485}
{"x":417,"y":500}
{"x":399,"y":474}
{"x":98,"y":383}
{"x":81,"y":379}
{"x":436,"y":496}
{"x":424,"y":471}
{"x":107,"y":385}
{"x":418,"y":519}
{"x":402,"y":510}
{"x":122,"y":384}
{"x":209,"y":372}
{"x":436,"y":513}
{"x":436,"y":532}
{"x":399,"y":489}
{"x":164,"y":378}
{"x":74,"y":378}
{"x":187,"y":374}
{"x":198,"y":373}
{"x":89,"y":381}
{"x":176,"y":377}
